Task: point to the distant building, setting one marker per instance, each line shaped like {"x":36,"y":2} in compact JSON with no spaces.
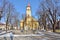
{"x":58,"y":25}
{"x":2,"y":26}
{"x":28,"y":23}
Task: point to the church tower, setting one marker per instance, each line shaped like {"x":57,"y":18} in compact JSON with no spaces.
{"x":28,"y":10}
{"x":29,"y":23}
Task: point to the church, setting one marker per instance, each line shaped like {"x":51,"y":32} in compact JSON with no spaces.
{"x":29,"y":23}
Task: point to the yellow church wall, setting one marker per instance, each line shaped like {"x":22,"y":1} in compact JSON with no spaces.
{"x":33,"y":26}
{"x":21,"y":25}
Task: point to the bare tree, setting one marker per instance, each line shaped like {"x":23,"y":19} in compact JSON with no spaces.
{"x":8,"y":16}
{"x":2,"y":8}
{"x":16,"y":20}
{"x":49,"y":10}
{"x":8,"y":11}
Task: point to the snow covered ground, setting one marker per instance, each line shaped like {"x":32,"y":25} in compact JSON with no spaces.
{"x":37,"y":36}
{"x":10,"y":34}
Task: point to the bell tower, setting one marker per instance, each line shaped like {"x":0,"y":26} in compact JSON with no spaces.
{"x":28,"y":10}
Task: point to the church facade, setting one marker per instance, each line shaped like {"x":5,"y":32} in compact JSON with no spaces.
{"x":28,"y":23}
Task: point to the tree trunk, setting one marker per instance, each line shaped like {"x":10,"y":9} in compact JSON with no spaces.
{"x":45,"y":27}
{"x":53,"y":28}
{"x":6,"y":26}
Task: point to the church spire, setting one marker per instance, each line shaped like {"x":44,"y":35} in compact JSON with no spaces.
{"x":28,"y":4}
{"x":28,"y":10}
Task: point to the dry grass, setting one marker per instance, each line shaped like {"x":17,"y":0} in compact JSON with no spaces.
{"x":58,"y":31}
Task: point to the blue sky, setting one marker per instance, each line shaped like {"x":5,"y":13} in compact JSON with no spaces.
{"x":20,"y":6}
